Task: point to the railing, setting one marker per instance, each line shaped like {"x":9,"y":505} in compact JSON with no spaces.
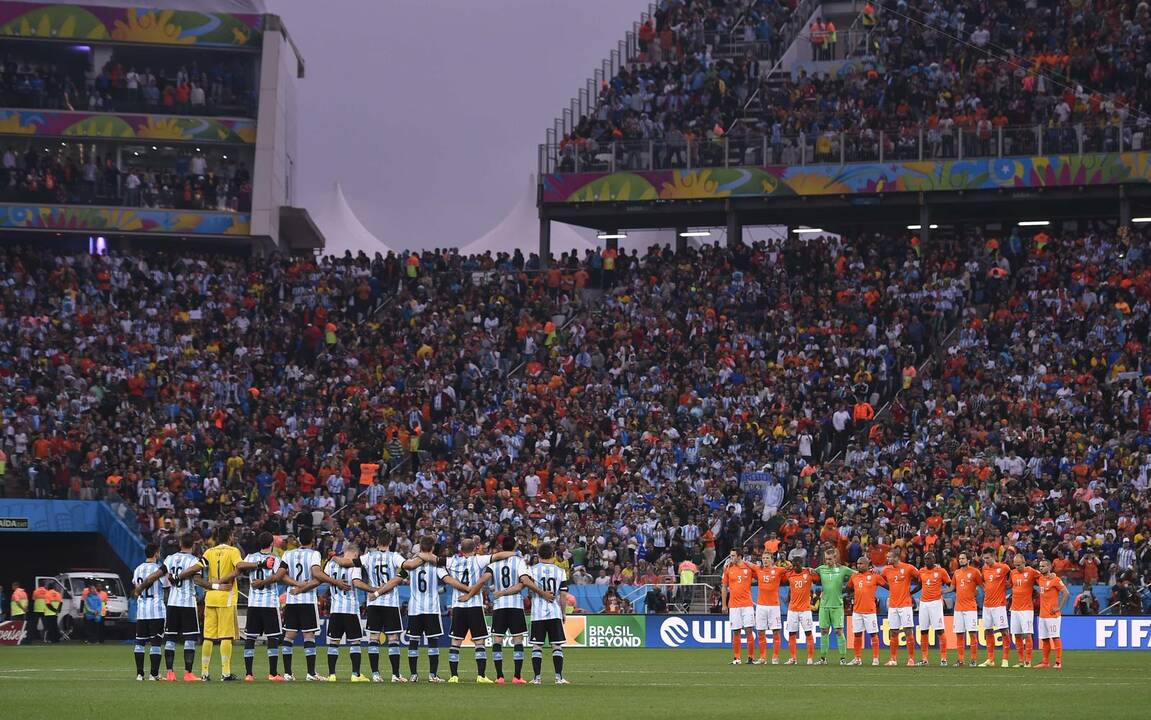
{"x":739,"y":149}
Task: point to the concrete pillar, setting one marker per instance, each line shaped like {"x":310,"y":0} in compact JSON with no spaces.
{"x":680,"y":240}
{"x":924,"y":225}
{"x":734,"y":229}
{"x":545,"y":241}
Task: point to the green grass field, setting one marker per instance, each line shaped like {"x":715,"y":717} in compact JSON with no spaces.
{"x":99,"y":681}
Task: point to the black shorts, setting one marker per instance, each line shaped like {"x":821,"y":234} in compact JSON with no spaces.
{"x":384,"y":619}
{"x":147,"y":630}
{"x":548,"y":630}
{"x":509,"y":621}
{"x":182,"y":623}
{"x":301,"y":617}
{"x":346,"y":626}
{"x":263,"y":621}
{"x":469,"y":620}
{"x":425,"y":626}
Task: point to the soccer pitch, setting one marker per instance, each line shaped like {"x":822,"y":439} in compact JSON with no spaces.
{"x":99,"y":681}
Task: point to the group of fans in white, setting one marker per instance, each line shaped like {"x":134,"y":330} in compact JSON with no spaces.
{"x":378,"y":572}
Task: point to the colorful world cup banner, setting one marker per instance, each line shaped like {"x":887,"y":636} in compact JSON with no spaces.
{"x":1078,"y":633}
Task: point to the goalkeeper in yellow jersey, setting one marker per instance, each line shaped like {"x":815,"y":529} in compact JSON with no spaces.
{"x":220,"y":563}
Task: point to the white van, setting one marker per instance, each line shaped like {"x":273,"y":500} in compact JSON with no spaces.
{"x":71,"y":586}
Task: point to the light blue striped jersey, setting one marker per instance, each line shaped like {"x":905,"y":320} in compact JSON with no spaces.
{"x":506,"y":573}
{"x":551,"y":578}
{"x":150,"y":604}
{"x":182,"y":592}
{"x":467,"y":569}
{"x":424,"y":583}
{"x":343,"y":602}
{"x":380,"y":566}
{"x":300,"y":563}
{"x":269,"y":595}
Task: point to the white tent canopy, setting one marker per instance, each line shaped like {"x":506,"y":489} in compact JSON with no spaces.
{"x":521,"y":229}
{"x":343,"y":230}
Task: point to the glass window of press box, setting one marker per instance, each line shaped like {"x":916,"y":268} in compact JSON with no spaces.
{"x":43,"y":75}
{"x":128,"y":174}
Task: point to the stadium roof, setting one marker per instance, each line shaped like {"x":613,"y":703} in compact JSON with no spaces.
{"x":342,"y":230}
{"x":521,"y":229}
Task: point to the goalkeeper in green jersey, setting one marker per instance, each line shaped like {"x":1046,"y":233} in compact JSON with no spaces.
{"x":832,"y":578}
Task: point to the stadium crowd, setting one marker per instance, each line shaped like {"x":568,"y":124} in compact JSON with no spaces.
{"x":613,"y":403}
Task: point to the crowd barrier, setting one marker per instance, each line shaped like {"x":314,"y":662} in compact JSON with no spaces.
{"x":714,"y":631}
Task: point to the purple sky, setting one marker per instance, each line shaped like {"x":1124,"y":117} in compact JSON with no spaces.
{"x":429,"y":111}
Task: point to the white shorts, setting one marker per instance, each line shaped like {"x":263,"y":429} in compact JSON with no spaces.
{"x":1022,"y":622}
{"x":1049,"y":627}
{"x":900,"y":618}
{"x":966,"y":621}
{"x":995,"y":618}
{"x":931,"y":615}
{"x":867,"y":623}
{"x":767,"y":617}
{"x":799,"y":620}
{"x":741,"y":617}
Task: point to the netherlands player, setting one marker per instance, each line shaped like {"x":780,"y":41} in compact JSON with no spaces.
{"x":220,"y":563}
{"x":1023,"y":582}
{"x":899,"y":578}
{"x":768,"y":617}
{"x":149,"y":594}
{"x":548,"y":615}
{"x":509,"y":577}
{"x":966,"y":622}
{"x":737,"y":579}
{"x":996,"y":575}
{"x":864,"y":620}
{"x":468,"y":608}
{"x":181,"y":622}
{"x":1052,"y":595}
{"x":301,"y":611}
{"x":424,"y":622}
{"x":932,"y":578}
{"x":799,"y":620}
{"x":344,"y":624}
{"x":382,"y":569}
{"x":264,"y":573}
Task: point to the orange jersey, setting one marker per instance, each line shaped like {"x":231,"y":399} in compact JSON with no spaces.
{"x":800,"y":583}
{"x":966,"y":579}
{"x":863,"y":587}
{"x":933,"y":581}
{"x":768,"y":580}
{"x":995,"y":585}
{"x":1023,"y":584}
{"x":1049,"y":588}
{"x":737,"y":580}
{"x":899,"y":577}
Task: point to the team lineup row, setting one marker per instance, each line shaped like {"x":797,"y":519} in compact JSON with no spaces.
{"x":167,"y":618}
{"x":999,"y":581}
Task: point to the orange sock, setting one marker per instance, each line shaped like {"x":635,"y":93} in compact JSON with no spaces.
{"x":791,"y":645}
{"x":736,"y":637}
{"x":911,"y":645}
{"x":993,"y":647}
{"x":1058,"y":642}
{"x":858,"y":646}
{"x":874,"y":647}
{"x":1045,"y":648}
{"x":763,"y":645}
{"x":942,"y":646}
{"x":1020,"y":651}
{"x":810,"y":645}
{"x":894,"y":647}
{"x":776,"y":641}
{"x":961,"y":638}
{"x":750,"y":644}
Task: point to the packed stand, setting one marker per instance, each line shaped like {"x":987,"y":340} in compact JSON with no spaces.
{"x":677,"y":90}
{"x":939,"y":68}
